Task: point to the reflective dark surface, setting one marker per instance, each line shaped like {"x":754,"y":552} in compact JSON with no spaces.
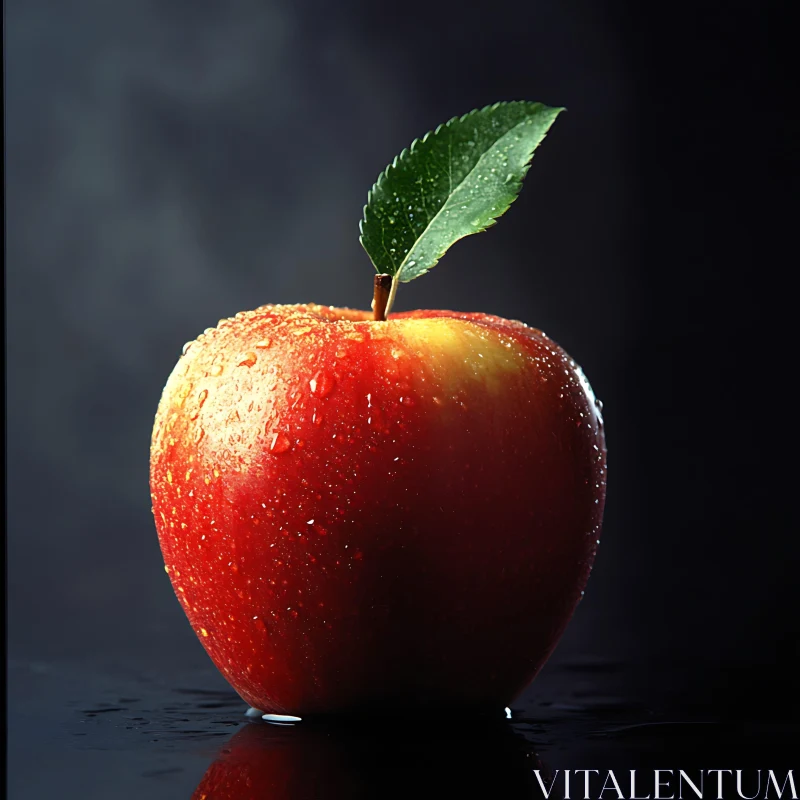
{"x":121,"y":733}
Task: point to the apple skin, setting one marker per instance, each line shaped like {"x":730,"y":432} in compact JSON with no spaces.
{"x":360,"y":516}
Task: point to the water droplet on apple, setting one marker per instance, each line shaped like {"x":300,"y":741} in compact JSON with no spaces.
{"x":281,"y":719}
{"x":201,"y":398}
{"x":186,"y":347}
{"x":318,"y":418}
{"x":199,"y":435}
{"x":216,"y":369}
{"x":599,"y":407}
{"x":248,"y":360}
{"x":280,"y":443}
{"x":322,"y":384}
{"x":264,"y":344}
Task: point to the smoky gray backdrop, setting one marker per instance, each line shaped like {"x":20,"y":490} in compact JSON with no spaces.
{"x":171,"y":163}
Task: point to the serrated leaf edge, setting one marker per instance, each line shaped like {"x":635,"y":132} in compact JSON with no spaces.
{"x":491,"y":221}
{"x":406,"y":151}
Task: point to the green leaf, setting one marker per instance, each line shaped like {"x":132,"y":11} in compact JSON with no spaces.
{"x":455,"y":181}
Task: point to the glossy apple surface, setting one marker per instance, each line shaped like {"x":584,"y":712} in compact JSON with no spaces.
{"x":358,"y":515}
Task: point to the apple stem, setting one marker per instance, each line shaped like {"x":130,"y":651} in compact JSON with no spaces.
{"x":382,"y":298}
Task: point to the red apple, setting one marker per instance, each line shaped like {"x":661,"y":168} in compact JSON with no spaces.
{"x":361,"y":514}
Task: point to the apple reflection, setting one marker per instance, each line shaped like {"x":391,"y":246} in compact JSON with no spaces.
{"x":405,"y":760}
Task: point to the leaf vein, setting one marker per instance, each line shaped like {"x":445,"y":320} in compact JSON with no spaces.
{"x":449,"y":199}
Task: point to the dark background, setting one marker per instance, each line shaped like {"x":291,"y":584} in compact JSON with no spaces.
{"x":171,"y":163}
